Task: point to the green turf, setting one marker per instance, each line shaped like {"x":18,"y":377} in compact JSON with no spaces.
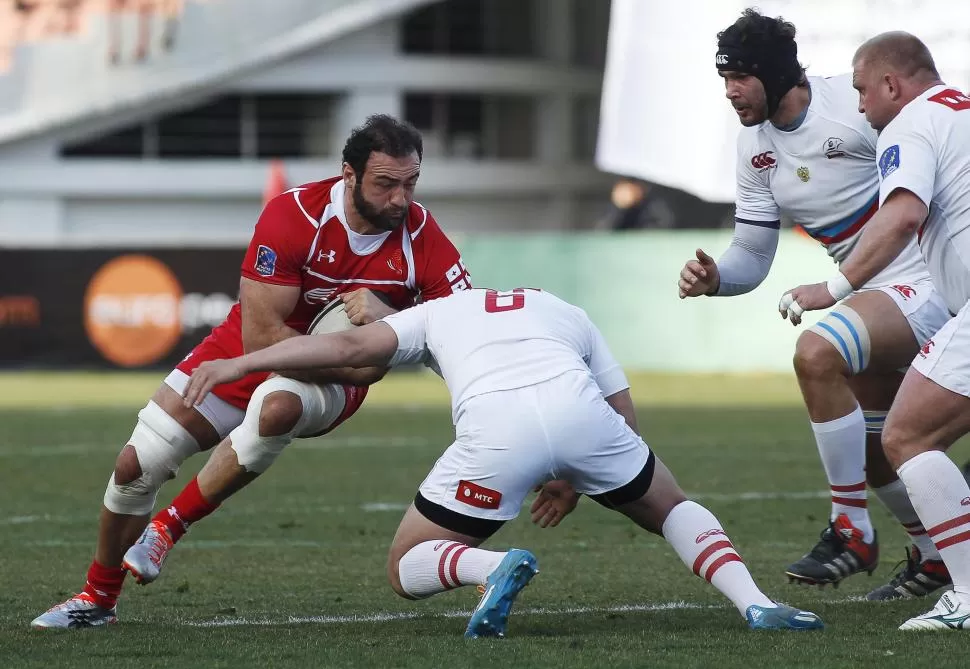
{"x":309,"y":540}
{"x":31,"y":390}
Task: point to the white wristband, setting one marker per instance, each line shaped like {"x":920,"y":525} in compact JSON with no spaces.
{"x":839,"y":287}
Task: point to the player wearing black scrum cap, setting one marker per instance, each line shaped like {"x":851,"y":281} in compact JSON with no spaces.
{"x":806,"y":153}
{"x":763,"y":48}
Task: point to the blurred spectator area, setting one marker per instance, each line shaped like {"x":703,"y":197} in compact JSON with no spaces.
{"x":640,"y":205}
{"x":177,"y":121}
{"x":460,"y":125}
{"x":32,"y":21}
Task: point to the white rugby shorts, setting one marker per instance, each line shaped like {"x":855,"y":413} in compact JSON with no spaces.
{"x":922,"y":305}
{"x":945,"y":357}
{"x":223,"y":416}
{"x":509,"y":441}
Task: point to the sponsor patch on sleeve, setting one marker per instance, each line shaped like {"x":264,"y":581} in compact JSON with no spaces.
{"x":889,"y":161}
{"x":265,"y":261}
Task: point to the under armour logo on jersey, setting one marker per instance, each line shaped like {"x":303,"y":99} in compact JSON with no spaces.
{"x":763,"y":161}
{"x":330,"y":255}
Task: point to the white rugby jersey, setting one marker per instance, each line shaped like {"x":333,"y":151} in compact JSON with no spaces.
{"x":926,"y":150}
{"x":822,"y":175}
{"x":485,"y":340}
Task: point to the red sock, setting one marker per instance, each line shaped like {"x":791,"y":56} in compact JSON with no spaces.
{"x":187,"y":508}
{"x":104,"y":584}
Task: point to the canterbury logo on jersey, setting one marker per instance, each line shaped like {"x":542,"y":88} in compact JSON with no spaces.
{"x":763,"y":161}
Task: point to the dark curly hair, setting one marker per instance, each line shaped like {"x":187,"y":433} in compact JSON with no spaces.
{"x":381,"y":133}
{"x":754,"y":29}
{"x":755,"y":25}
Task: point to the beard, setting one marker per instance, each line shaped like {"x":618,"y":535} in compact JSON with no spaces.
{"x":389,"y":218}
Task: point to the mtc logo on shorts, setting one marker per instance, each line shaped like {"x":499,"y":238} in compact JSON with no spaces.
{"x":478,"y":496}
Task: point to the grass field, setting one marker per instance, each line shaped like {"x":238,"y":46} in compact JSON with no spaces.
{"x":289,"y":573}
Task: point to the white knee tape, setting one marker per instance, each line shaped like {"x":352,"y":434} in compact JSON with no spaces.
{"x":319,"y":408}
{"x":846,"y":331}
{"x":162,"y":445}
{"x":874,"y":421}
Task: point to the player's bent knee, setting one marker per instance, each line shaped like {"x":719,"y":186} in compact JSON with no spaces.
{"x":127,"y":468}
{"x":275,"y":415}
{"x":900,"y":442}
{"x":394,"y":578}
{"x":893,"y":445}
{"x":280,"y":413}
{"x":844,"y":331}
{"x":157,"y":447}
{"x":816,"y":358}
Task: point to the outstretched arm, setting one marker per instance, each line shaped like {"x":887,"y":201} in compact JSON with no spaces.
{"x":370,"y":345}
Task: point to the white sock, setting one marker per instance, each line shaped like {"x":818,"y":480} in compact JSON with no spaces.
{"x":941,"y":497}
{"x":435,"y":566}
{"x":842,"y":447}
{"x":896,"y":499}
{"x":702,"y":544}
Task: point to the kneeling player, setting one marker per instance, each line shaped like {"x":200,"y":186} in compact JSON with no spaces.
{"x":536,"y":396}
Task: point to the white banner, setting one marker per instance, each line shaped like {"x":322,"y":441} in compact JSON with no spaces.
{"x":664,"y":117}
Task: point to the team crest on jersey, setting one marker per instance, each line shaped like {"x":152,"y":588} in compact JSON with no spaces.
{"x":802,"y":173}
{"x":265,"y":261}
{"x":832,"y":148}
{"x":396,"y":262}
{"x":889,"y":161}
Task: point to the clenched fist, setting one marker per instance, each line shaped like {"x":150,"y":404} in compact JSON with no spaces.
{"x":363,"y":306}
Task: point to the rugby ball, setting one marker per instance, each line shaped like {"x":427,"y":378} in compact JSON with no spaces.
{"x":332,"y":318}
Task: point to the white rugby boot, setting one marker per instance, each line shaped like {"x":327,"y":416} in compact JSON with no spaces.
{"x":952,"y":612}
{"x":78,"y":611}
{"x":145,"y":559}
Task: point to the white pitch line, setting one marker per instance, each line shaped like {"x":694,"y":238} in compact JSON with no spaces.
{"x":414,"y":615}
{"x":399,"y":507}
